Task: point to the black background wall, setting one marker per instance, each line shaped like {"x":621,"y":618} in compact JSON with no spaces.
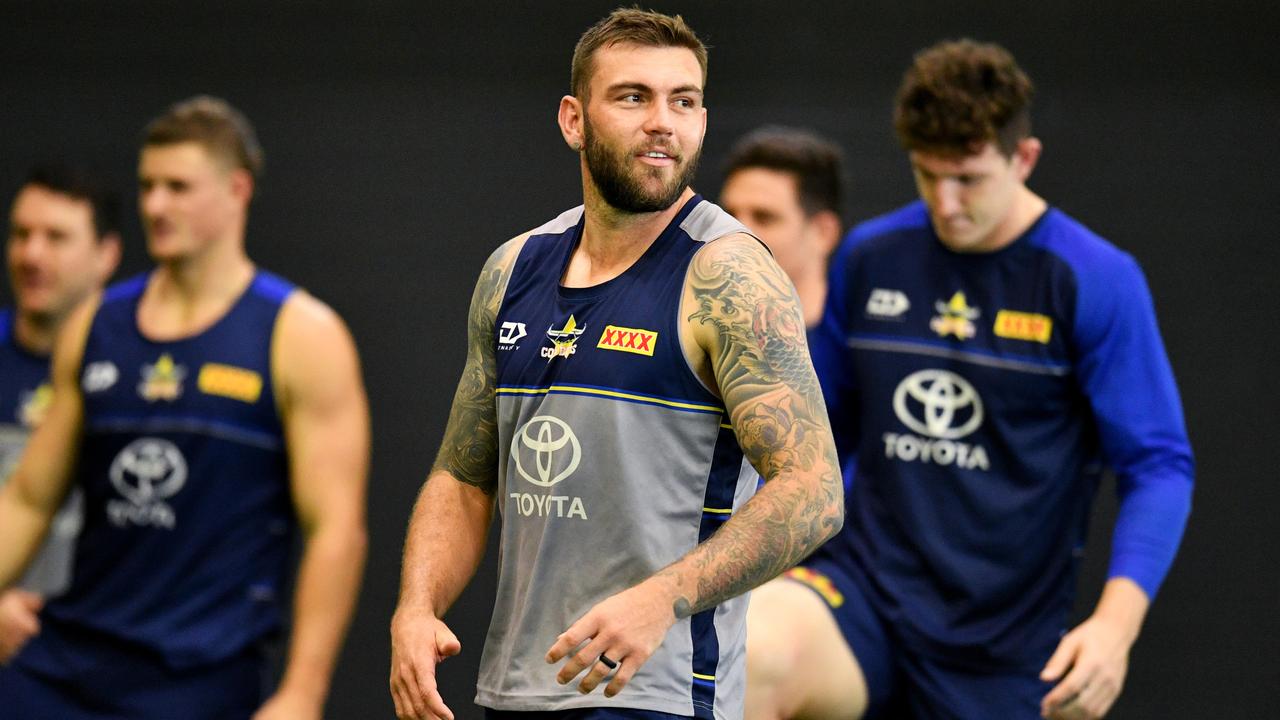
{"x":405,"y":140}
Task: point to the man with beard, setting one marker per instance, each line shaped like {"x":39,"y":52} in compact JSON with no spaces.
{"x":628,"y":362}
{"x":63,"y":244}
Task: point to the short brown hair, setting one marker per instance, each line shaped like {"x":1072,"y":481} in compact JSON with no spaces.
{"x":637,"y":27}
{"x":215,"y":125}
{"x":78,"y":183}
{"x":959,"y":95}
{"x":815,"y":162}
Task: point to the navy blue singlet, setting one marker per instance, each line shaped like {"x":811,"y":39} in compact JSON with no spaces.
{"x":188,"y":520}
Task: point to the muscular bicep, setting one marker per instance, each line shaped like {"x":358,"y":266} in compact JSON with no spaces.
{"x":745,"y":316}
{"x":324,"y":411}
{"x":469,"y":450}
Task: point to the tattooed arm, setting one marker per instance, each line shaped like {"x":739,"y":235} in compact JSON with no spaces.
{"x":748,"y":322}
{"x":451,"y":517}
{"x":746,"y":333}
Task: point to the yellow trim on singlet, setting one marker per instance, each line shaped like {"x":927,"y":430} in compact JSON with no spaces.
{"x":580,"y":390}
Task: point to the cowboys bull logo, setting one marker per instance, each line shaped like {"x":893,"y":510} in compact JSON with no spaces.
{"x":955,"y":317}
{"x":145,"y":473}
{"x":162,"y":381}
{"x":545,"y":451}
{"x":564,"y":342}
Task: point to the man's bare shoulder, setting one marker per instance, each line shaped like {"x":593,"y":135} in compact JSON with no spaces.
{"x":307,"y":320}
{"x":504,"y":256}
{"x":313,"y":352}
{"x":734,"y":248}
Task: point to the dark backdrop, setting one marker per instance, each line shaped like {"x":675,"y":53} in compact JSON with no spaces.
{"x":404,"y":141}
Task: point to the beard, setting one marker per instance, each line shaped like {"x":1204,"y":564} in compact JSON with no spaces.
{"x":624,"y":189}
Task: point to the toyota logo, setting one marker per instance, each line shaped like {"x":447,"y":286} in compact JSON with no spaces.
{"x":938,"y":403}
{"x":148,"y":470}
{"x":542,"y":440}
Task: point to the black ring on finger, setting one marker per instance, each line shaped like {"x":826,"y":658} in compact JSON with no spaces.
{"x":608,"y":662}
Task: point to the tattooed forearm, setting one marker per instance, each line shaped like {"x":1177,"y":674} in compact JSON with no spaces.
{"x":761,"y":364}
{"x":469,"y":451}
{"x":775,"y":530}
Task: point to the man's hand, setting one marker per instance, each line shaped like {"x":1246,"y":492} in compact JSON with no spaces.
{"x":19,"y":620}
{"x":1094,"y":657}
{"x":1097,"y":654}
{"x":625,"y":628}
{"x":285,"y":705}
{"x":419,"y":642}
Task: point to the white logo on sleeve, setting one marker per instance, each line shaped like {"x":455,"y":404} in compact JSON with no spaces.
{"x":546,"y":451}
{"x":145,"y":473}
{"x":887,"y":304}
{"x":943,"y":407}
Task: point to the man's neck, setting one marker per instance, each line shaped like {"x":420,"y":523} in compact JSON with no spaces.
{"x":37,"y":332}
{"x":1027,"y":208}
{"x":612,"y":240}
{"x":221,"y":271}
{"x":811,"y":287}
{"x":186,"y":296}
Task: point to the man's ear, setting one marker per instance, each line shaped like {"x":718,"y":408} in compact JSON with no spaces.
{"x":110,"y":248}
{"x":1026,"y":155}
{"x":572,"y":118}
{"x":825,"y":226}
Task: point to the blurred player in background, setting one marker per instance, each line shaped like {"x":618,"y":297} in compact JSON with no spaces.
{"x":786,"y":185}
{"x":63,"y":244}
{"x":209,"y":410}
{"x":983,"y":356}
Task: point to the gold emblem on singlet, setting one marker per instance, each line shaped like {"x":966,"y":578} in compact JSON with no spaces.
{"x":955,"y":317}
{"x":162,"y":380}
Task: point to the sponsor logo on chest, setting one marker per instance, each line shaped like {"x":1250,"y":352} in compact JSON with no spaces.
{"x":544,"y":453}
{"x":887,"y":304}
{"x":99,"y":376}
{"x":1031,"y":327}
{"x":941,"y":408}
{"x":146,"y":473}
{"x":509,"y":334}
{"x":632,"y":340}
{"x":229,"y":381}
